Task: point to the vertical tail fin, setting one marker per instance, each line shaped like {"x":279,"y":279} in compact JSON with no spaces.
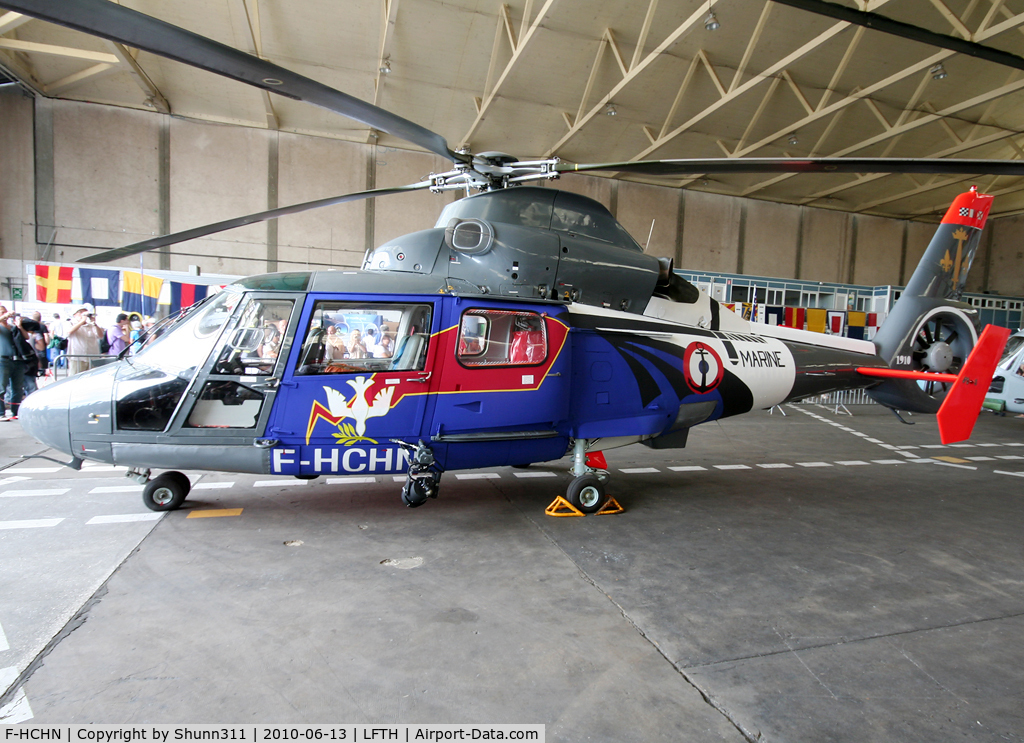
{"x":943,"y":269}
{"x":929,"y":329}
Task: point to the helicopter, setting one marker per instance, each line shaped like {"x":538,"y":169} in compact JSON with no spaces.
{"x":1007,"y":390}
{"x":525,"y":325}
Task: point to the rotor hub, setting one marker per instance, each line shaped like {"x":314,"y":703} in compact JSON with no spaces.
{"x":938,"y":357}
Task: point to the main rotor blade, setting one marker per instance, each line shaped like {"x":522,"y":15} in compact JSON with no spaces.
{"x":115,"y":22}
{"x":210,"y":229}
{"x":726,"y":165}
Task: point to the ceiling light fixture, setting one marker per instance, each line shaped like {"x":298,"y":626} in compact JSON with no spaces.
{"x":711,"y":22}
{"x":385,"y":68}
{"x":793,"y":140}
{"x":610,"y":110}
{"x":938,"y":72}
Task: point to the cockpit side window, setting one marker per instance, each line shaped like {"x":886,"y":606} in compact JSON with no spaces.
{"x":360,"y":337}
{"x":252,"y":348}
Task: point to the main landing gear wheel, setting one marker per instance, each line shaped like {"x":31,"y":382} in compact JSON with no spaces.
{"x":166,"y":492}
{"x":415,"y":492}
{"x":586,"y":493}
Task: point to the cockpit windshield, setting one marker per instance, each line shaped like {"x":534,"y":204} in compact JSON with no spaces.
{"x":186,"y":344}
{"x":1012,"y":347}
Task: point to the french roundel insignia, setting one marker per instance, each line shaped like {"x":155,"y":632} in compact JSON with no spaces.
{"x":702,"y":367}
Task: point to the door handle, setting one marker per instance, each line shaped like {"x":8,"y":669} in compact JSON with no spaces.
{"x":424,"y":378}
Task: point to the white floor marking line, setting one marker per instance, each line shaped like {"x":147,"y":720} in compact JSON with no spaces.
{"x":351,"y":480}
{"x":889,"y":461}
{"x":278,"y":483}
{"x":851,"y":463}
{"x":981,"y":459}
{"x":12,"y":480}
{"x":125,"y":518}
{"x":875,"y":441}
{"x":731,"y":467}
{"x":689,"y":468}
{"x":34,"y":470}
{"x":958,"y":466}
{"x":988,"y":444}
{"x":908,"y":447}
{"x":399,"y":478}
{"x":639,"y":471}
{"x":1015,"y":474}
{"x":1009,"y":456}
{"x":3,"y":646}
{"x":933,"y":446}
{"x":23,"y":493}
{"x":17,"y":710}
{"x":813,"y":464}
{"x":776,"y":466}
{"x":29,"y":524}
{"x":535,"y":474}
{"x":1012,"y":443}
{"x":908,"y":454}
{"x":963,"y":446}
{"x":479,"y":476}
{"x":117,"y":489}
{"x":212,"y":485}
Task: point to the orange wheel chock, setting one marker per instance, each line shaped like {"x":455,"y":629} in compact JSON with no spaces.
{"x":561,"y":508}
{"x":610,"y":506}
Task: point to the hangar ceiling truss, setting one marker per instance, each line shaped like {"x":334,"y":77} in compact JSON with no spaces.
{"x":617,"y":81}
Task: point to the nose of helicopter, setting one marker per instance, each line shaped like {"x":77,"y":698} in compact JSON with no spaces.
{"x":44,"y":416}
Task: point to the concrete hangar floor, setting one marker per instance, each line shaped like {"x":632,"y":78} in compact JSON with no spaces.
{"x":805,"y":578}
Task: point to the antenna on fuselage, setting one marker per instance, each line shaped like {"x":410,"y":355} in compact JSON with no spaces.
{"x":649,"y":234}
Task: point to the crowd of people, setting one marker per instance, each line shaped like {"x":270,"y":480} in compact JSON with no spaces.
{"x":27,"y":343}
{"x":357,"y":345}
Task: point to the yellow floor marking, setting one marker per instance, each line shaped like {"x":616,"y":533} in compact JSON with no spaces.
{"x":952,"y":460}
{"x":212,"y":513}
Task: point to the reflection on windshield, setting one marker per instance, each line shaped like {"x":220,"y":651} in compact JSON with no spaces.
{"x":1012,"y":347}
{"x":186,"y":344}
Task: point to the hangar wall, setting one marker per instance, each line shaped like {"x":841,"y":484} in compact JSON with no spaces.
{"x":94,"y":177}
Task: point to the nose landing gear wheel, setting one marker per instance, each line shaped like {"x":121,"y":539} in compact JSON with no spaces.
{"x":586,"y":493}
{"x":166,"y":492}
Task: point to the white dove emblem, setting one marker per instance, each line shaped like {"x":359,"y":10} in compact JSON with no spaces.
{"x":357,"y":408}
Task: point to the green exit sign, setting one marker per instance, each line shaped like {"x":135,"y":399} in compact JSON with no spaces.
{"x":17,"y":292}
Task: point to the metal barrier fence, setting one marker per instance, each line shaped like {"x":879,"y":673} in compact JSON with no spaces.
{"x":61,"y":364}
{"x":845,"y":397}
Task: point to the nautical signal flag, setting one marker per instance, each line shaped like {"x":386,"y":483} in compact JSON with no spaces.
{"x":100,"y":287}
{"x":186,"y":295}
{"x":53,"y":284}
{"x":140,"y":293}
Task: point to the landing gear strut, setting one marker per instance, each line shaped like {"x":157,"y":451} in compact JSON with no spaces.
{"x":423,"y":479}
{"x":587,"y":489}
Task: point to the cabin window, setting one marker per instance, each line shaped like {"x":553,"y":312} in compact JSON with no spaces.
{"x":360,"y":337}
{"x":502,"y":338}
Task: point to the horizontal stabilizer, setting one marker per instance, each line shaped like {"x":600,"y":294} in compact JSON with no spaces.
{"x":870,"y":371}
{"x":962,"y":405}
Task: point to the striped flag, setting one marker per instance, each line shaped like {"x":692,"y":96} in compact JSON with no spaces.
{"x":186,"y":295}
{"x":53,"y":284}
